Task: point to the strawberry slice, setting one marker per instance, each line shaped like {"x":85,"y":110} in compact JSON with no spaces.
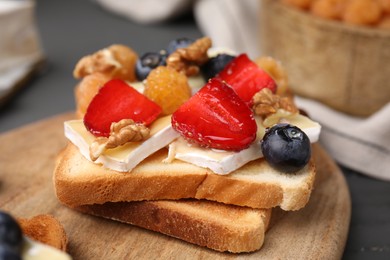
{"x":116,"y":101}
{"x":246,"y":78}
{"x":216,"y":117}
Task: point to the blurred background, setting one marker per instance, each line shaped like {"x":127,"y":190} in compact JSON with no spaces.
{"x":69,"y":30}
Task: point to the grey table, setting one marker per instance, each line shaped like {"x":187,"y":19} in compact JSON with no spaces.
{"x":70,"y":29}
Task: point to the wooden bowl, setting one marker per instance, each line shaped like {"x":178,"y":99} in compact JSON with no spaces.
{"x":345,"y":67}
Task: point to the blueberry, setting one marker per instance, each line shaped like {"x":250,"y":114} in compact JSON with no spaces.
{"x":8,"y":253}
{"x":214,"y":65}
{"x":10,"y":232}
{"x":286,"y":147}
{"x":147,"y":62}
{"x":177,"y":44}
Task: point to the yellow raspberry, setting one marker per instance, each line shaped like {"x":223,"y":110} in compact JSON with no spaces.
{"x":168,"y":88}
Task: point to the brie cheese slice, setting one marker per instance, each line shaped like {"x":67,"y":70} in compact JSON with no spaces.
{"x":123,"y":158}
{"x":224,"y":162}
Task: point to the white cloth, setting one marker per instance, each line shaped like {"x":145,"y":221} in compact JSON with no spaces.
{"x":147,"y":11}
{"x":362,"y":144}
{"x":19,"y":42}
{"x":230,"y":23}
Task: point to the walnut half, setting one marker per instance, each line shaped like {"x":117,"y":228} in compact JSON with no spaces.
{"x":187,"y":60}
{"x":121,"y":133}
{"x":115,"y":61}
{"x":266,"y":103}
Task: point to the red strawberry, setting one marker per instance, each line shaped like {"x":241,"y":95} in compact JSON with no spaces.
{"x":246,"y":78}
{"x":216,"y":117}
{"x":116,"y":101}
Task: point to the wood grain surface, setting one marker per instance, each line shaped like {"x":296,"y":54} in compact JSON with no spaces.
{"x":27,"y":155}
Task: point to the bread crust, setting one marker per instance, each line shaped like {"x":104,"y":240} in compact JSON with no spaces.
{"x":204,"y":223}
{"x":45,"y":229}
{"x":80,"y":182}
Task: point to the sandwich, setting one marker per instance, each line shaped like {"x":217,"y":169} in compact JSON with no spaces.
{"x":201,"y":147}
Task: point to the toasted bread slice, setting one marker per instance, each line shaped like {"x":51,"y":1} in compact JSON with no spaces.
{"x":45,"y":229}
{"x":205,"y":223}
{"x":257,"y":185}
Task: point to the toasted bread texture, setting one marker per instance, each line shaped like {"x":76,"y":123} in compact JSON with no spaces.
{"x":45,"y":229}
{"x":205,"y":223}
{"x":79,"y":182}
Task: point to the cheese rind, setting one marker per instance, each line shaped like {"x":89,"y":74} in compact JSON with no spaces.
{"x":220,"y":162}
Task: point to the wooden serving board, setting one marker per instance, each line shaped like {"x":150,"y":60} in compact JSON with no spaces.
{"x":27,"y":155}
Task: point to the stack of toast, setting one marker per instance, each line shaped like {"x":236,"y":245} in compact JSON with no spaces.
{"x":229,"y":212}
{"x":161,"y":200}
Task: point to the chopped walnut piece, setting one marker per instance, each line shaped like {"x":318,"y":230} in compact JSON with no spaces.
{"x":187,"y":60}
{"x":116,"y":61}
{"x":287,"y":104}
{"x":101,"y":61}
{"x":266,"y":103}
{"x":121,"y":133}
